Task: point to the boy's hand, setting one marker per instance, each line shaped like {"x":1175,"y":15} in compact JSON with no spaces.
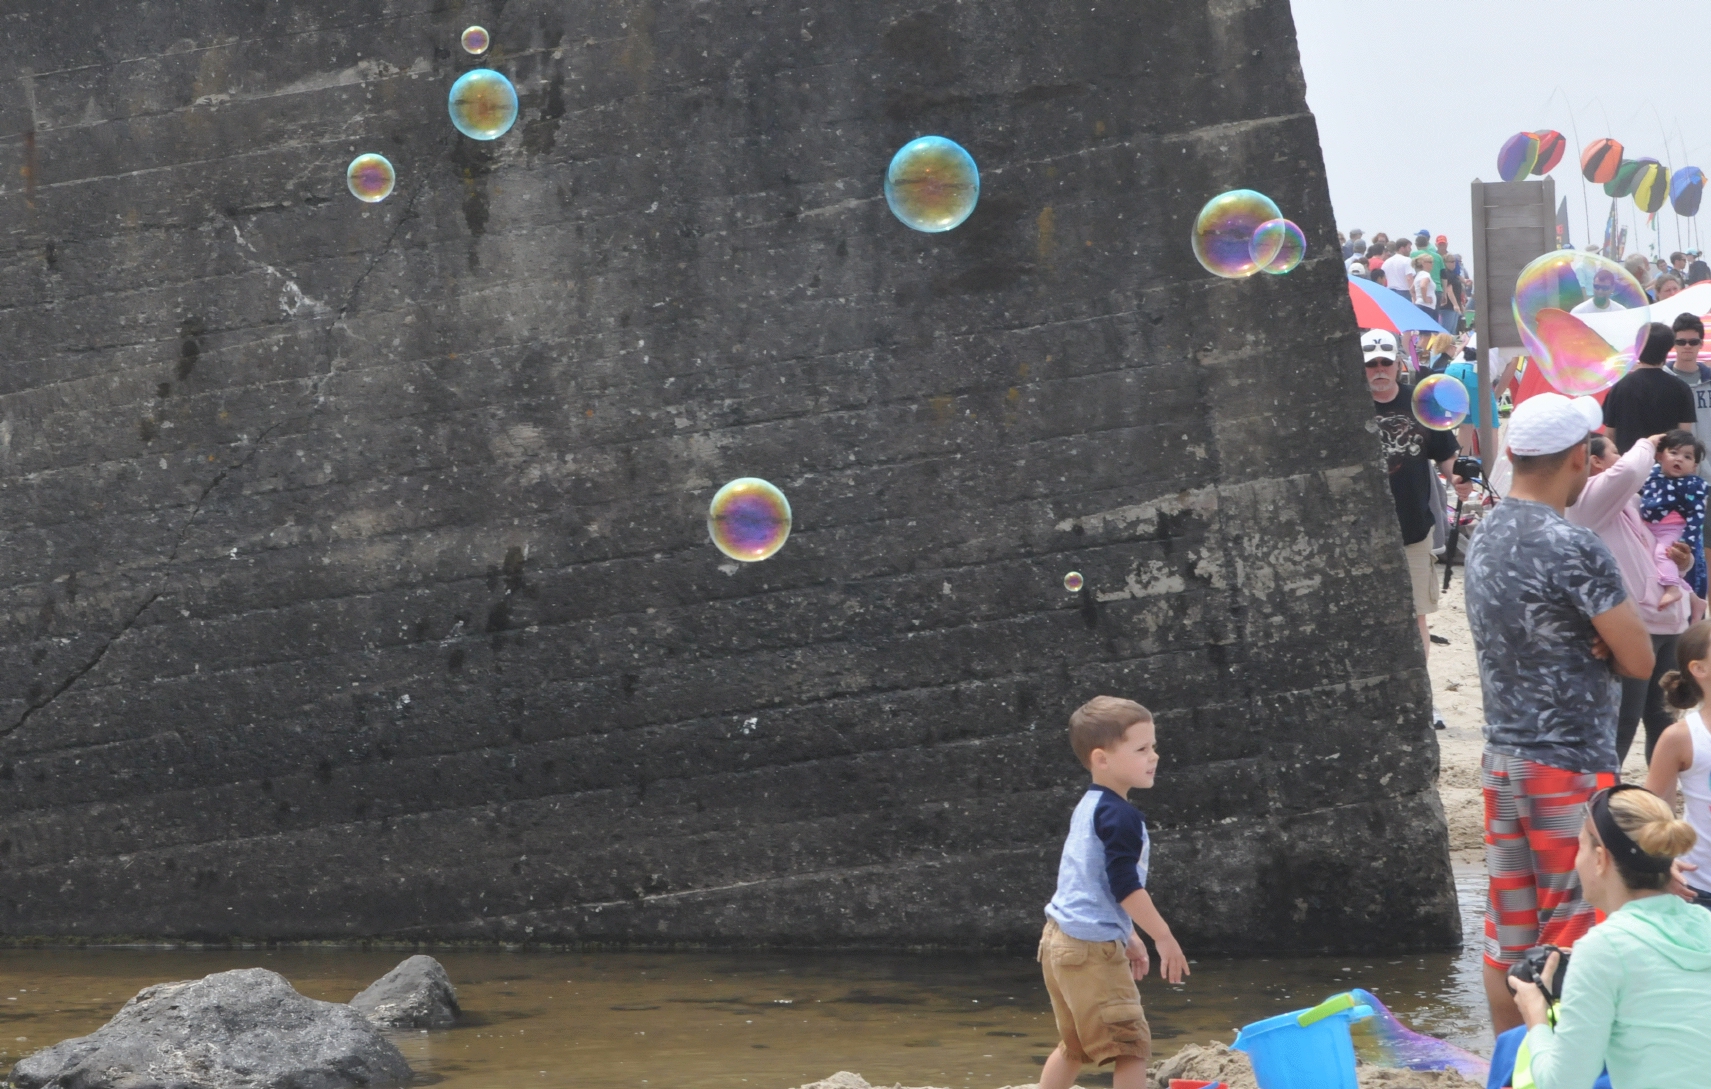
{"x":1172,"y":965}
{"x":1139,"y":962}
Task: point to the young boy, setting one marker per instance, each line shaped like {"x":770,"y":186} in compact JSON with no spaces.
{"x":1089,"y":953}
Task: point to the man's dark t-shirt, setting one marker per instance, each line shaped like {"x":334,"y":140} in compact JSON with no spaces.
{"x":1410,"y":454}
{"x":1647,"y":402}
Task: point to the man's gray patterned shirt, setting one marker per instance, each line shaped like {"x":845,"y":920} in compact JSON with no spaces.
{"x":1534,"y":582}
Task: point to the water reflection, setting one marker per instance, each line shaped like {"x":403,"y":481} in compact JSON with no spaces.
{"x":746,"y":1020}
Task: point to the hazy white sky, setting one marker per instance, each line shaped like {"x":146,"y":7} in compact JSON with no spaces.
{"x":1414,"y":99}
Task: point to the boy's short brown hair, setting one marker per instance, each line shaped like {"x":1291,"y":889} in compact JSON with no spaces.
{"x":1100,"y":723}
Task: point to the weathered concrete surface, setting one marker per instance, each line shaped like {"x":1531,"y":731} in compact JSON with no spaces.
{"x":417,"y":994}
{"x":245,"y":1029}
{"x":357,"y":577}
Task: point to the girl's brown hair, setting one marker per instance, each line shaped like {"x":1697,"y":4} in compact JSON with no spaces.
{"x":1678,"y":685}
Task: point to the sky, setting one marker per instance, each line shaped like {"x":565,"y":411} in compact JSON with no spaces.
{"x":1414,"y":99}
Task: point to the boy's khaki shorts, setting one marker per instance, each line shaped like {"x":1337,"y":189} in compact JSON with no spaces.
{"x":1094,"y":999}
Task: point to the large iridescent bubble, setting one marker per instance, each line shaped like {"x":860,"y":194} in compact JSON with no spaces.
{"x":370,"y":178}
{"x":1555,"y":298}
{"x":483,"y":104}
{"x":1440,"y":402}
{"x":1224,"y":241}
{"x":932,"y":184}
{"x":1284,"y":241}
{"x":749,"y":519}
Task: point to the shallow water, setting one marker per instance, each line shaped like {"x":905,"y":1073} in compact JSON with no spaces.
{"x":746,"y":1021}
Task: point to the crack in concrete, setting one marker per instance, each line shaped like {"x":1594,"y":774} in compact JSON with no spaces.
{"x":316,"y":384}
{"x":183,"y":534}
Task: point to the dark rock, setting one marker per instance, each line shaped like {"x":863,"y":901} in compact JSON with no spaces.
{"x":416,"y":994}
{"x":246,"y":1029}
{"x":395,"y":616}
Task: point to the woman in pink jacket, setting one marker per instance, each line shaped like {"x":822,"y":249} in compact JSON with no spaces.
{"x":1610,"y":507}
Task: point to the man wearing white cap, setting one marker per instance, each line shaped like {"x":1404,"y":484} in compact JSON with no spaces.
{"x":1550,"y":618}
{"x":1410,"y":451}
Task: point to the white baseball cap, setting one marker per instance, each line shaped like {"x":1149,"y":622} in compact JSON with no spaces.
{"x":1549,"y":423}
{"x":1378,"y":344}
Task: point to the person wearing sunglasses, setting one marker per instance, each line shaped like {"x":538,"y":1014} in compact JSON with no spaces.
{"x":1636,"y":995}
{"x":1689,"y":337}
{"x":1689,"y":342}
{"x":1410,"y":451}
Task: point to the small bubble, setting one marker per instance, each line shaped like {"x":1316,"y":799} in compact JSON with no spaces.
{"x":370,"y":178}
{"x":476,"y":41}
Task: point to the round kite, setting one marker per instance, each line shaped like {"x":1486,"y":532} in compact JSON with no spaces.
{"x":1627,"y":176}
{"x":1516,"y":158}
{"x":1685,"y":189}
{"x":1599,"y":161}
{"x":1651,"y":185}
{"x":1551,"y":147}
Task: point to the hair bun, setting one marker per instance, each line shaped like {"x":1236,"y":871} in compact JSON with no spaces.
{"x":1666,"y":838}
{"x":1680,"y":690}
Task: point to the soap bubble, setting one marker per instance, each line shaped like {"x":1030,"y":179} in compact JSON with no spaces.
{"x":749,"y":519}
{"x":1599,"y":161}
{"x":932,"y":184}
{"x":1224,"y":240}
{"x":1516,"y":158}
{"x":483,"y":104}
{"x":476,"y":41}
{"x":370,"y":178}
{"x":1441,"y":403}
{"x":1073,"y":582}
{"x":1551,"y":147}
{"x":1571,"y":354}
{"x":1284,"y":241}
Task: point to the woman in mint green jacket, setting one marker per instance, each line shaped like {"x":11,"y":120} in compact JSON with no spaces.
{"x":1637,"y":993}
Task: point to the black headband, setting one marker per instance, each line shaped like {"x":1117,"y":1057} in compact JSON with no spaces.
{"x":1626,"y":852}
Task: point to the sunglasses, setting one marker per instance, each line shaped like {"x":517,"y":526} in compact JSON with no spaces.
{"x":1371,"y":363}
{"x":1684,"y":342}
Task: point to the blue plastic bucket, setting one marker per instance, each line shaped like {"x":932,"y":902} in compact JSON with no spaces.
{"x":1307,"y":1049}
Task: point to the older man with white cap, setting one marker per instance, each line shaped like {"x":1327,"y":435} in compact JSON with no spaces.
{"x":1550,"y":616}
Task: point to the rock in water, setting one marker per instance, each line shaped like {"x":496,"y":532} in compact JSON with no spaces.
{"x":416,"y":994}
{"x":246,"y":1029}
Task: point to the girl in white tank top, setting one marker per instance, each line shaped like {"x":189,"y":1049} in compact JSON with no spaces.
{"x":1683,"y":754}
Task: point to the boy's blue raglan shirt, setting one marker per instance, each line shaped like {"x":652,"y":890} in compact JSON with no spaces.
{"x":1104,"y":860}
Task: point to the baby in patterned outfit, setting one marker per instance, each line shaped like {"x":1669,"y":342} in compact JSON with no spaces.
{"x":1673,"y":505}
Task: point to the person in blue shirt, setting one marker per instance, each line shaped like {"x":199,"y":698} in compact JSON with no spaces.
{"x":1089,"y":952}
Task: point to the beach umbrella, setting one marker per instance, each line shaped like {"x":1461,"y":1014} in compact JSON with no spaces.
{"x":1551,"y":147}
{"x":1651,"y":185}
{"x":1379,"y":307}
{"x":1599,"y":161}
{"x":1685,"y":189}
{"x":1516,"y":157}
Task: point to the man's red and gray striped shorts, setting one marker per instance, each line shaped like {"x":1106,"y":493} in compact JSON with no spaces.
{"x":1533,"y":815}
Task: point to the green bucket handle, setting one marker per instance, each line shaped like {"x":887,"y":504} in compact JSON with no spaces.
{"x":1337,"y":1003}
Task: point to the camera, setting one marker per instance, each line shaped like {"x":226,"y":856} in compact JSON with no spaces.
{"x":1469,"y":468}
{"x":1531,"y":968}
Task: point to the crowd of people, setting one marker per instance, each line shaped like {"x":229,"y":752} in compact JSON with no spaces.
{"x":1585,"y":586}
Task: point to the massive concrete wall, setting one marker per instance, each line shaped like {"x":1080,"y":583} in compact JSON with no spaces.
{"x":357,"y":580}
